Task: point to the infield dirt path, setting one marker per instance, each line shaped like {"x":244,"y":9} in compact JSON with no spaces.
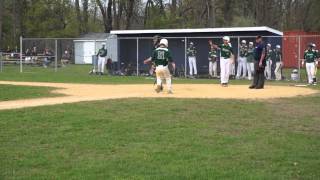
{"x":92,"y":92}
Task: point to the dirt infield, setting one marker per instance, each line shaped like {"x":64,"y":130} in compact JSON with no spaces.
{"x":91,"y":92}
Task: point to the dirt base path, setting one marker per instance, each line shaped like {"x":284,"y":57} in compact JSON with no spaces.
{"x":91,"y":92}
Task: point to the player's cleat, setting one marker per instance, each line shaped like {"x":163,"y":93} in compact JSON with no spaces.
{"x":252,"y":87}
{"x":158,"y":89}
{"x":170,"y":92}
{"x":161,"y":88}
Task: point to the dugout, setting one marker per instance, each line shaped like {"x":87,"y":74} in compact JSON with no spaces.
{"x":136,"y":45}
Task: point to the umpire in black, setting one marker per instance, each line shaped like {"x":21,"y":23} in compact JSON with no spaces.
{"x":259,"y":64}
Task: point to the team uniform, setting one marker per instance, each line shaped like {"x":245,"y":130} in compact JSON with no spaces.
{"x":102,"y":54}
{"x":267,"y":71}
{"x":250,"y":62}
{"x":242,"y":62}
{"x":316,"y":61}
{"x":192,"y":52}
{"x":161,"y":57}
{"x":225,"y":62}
{"x":278,"y":60}
{"x":310,"y":58}
{"x":212,"y":57}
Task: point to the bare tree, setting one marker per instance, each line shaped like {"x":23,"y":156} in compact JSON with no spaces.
{"x":106,"y":15}
{"x":85,"y":5}
{"x":1,"y":15}
{"x":78,"y":12}
{"x":129,"y":13}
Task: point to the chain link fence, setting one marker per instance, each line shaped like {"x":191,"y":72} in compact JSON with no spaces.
{"x":126,"y":55}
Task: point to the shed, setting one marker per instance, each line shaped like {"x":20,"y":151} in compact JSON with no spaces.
{"x":89,"y":44}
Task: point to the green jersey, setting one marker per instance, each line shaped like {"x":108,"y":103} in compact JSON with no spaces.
{"x":191,"y":51}
{"x":161,"y":56}
{"x":226,"y":51}
{"x":243,"y":51}
{"x":102,"y":52}
{"x":277,"y":56}
{"x":250,"y":55}
{"x":310,"y":56}
{"x":269,"y":54}
{"x":317,"y":53}
{"x":213,"y":55}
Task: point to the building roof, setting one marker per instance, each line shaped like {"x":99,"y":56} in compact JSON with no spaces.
{"x":92,"y":35}
{"x":202,"y":30}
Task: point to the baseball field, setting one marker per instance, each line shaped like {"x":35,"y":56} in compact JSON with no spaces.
{"x":69,"y":125}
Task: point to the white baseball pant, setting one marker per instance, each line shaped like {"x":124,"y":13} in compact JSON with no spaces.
{"x":101,"y":64}
{"x":213,"y":69}
{"x":267,"y":71}
{"x":163,"y":73}
{"x":277,"y":71}
{"x":193,"y":65}
{"x":242,"y":67}
{"x":225,"y":64}
{"x":250,"y":69}
{"x":310,"y":71}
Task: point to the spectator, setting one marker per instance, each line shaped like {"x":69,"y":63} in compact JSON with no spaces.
{"x":47,"y":57}
{"x":34,"y":54}
{"x":27,"y":56}
{"x":66,"y":58}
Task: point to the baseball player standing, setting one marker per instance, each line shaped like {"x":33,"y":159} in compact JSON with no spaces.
{"x":309,"y":59}
{"x":102,"y":54}
{"x":250,"y":60}
{"x":242,"y":61}
{"x":278,"y":60}
{"x":192,"y":52}
{"x":226,"y":59}
{"x":213,"y":62}
{"x":267,"y":71}
{"x":161,"y":57}
{"x":314,"y":46}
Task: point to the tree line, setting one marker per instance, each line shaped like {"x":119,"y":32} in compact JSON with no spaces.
{"x":71,"y":18}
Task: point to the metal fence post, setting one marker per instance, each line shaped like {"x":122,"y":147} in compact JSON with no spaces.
{"x":20,"y":54}
{"x":299,"y":55}
{"x":56,"y":56}
{"x":1,"y":63}
{"x":137,"y":56}
{"x":185,"y":57}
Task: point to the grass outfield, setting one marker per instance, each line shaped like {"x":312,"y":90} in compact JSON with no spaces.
{"x":10,"y":92}
{"x":163,"y":139}
{"x":79,"y":74}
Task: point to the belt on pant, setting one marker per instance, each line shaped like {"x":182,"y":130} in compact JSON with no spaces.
{"x":162,"y":66}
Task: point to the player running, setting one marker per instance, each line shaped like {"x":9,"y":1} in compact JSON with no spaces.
{"x":161,"y":57}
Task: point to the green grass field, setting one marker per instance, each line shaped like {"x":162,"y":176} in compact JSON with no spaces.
{"x":10,"y":92}
{"x":158,"y":138}
{"x":79,"y":74}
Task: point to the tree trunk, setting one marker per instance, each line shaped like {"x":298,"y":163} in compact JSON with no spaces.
{"x":174,"y":7}
{"x":211,"y":13}
{"x":78,"y":12}
{"x":129,"y":14}
{"x":85,"y":4}
{"x":109,"y":14}
{"x":227,"y":12}
{"x":1,"y":14}
{"x":104,"y":16}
